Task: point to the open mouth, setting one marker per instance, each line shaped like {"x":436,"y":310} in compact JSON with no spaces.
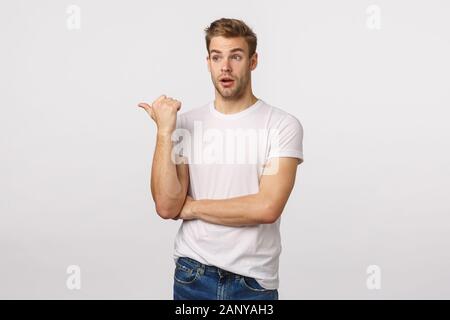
{"x":226,"y":82}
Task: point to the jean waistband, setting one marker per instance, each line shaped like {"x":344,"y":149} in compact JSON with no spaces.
{"x":196,"y":264}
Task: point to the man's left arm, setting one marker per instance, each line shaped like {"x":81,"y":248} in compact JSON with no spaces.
{"x":263,"y":207}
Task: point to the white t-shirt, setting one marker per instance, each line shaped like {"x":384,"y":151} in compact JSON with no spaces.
{"x":226,"y":154}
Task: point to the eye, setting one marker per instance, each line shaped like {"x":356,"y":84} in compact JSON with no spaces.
{"x":215,"y":58}
{"x":237,"y":57}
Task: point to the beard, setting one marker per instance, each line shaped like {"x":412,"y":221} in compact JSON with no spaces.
{"x":234,"y":92}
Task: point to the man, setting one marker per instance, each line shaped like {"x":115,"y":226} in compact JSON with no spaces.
{"x":229,"y":198}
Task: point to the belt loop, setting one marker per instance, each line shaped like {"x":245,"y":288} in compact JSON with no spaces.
{"x":202,"y":269}
{"x":222,"y":273}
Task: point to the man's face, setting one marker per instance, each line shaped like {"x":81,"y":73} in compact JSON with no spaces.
{"x":230,"y":66}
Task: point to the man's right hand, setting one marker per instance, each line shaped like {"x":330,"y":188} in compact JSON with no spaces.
{"x":164,"y":112}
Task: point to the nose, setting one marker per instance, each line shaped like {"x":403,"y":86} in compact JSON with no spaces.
{"x":226,"y":66}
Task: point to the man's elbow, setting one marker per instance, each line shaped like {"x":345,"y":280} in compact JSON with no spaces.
{"x":271,"y":213}
{"x":271,"y":218}
{"x":167,"y":211}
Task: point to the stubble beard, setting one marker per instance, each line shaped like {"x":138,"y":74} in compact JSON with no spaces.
{"x":234,"y":93}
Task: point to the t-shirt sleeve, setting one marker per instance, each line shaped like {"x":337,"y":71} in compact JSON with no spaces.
{"x":287,"y":139}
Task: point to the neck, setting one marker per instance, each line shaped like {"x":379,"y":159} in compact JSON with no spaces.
{"x":230,"y":106}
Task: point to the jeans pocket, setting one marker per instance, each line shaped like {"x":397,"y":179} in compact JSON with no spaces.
{"x":185,"y":273}
{"x":252,"y":284}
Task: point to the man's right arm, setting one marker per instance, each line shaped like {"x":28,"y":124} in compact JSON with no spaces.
{"x":169,"y":181}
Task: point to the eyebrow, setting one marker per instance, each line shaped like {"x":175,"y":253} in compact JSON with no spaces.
{"x":232,"y":50}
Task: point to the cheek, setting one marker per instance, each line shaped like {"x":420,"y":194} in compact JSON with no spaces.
{"x":215,"y":69}
{"x":241,"y":71}
{"x":241,"y":75}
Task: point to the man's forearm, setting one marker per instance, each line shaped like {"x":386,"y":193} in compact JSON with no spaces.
{"x":239,"y":211}
{"x":165,"y":185}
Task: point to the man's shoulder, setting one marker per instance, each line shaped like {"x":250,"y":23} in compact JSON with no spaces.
{"x":194,"y":112}
{"x":279,"y":116}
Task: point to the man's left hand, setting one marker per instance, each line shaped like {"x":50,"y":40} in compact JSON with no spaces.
{"x":187,"y":213}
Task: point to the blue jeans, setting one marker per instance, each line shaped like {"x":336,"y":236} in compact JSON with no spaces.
{"x":196,"y":281}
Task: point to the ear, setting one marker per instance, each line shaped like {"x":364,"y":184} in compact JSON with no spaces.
{"x":254,"y":61}
{"x":208,"y":63}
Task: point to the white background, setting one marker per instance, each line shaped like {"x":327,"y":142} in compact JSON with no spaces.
{"x":76,"y":150}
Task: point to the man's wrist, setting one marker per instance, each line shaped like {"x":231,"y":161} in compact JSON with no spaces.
{"x":164,"y":133}
{"x":194,"y":209}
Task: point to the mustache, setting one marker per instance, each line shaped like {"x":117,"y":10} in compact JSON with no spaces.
{"x":226,"y":77}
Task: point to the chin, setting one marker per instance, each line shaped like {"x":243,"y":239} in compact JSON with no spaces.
{"x":228,"y":94}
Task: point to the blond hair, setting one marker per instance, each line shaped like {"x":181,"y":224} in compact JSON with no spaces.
{"x":230,"y":28}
